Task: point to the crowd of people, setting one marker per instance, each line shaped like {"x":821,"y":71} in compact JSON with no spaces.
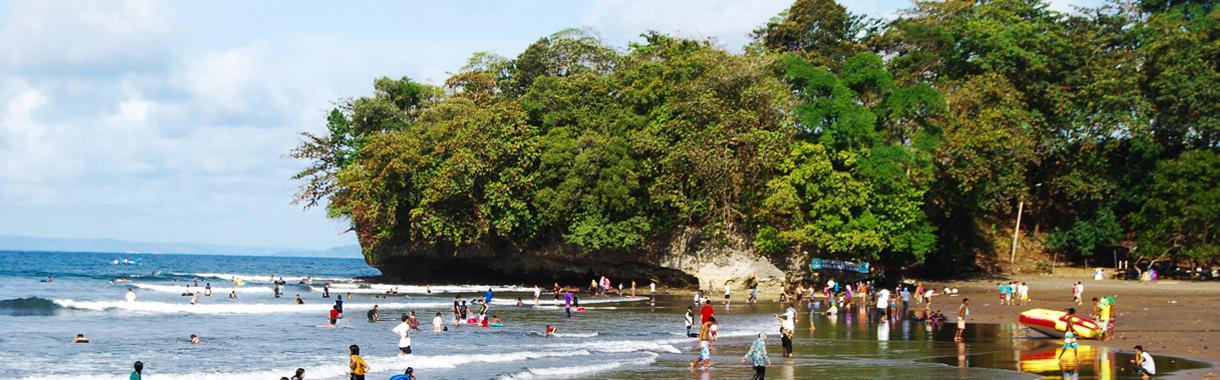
{"x":862,"y":296}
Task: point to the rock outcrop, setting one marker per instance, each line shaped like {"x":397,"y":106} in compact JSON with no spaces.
{"x":684,"y":259}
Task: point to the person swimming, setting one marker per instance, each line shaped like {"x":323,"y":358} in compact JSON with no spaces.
{"x":194,"y":339}
{"x":80,"y":338}
{"x":495,"y":320}
{"x":549,"y":332}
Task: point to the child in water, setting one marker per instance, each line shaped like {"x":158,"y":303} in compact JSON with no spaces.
{"x":356,"y":364}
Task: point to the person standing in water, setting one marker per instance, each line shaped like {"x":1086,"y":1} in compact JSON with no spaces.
{"x":457,"y":310}
{"x":325,"y":290}
{"x":487,"y":296}
{"x":537,"y":294}
{"x":356,"y":364}
{"x":131,"y":295}
{"x":404,"y":336}
{"x":299,"y":301}
{"x":1069,"y":336}
{"x":334,"y":316}
{"x":138,"y":371}
{"x":567,"y":303}
{"x":963,"y":312}
{"x":232,"y":294}
{"x":690,"y":319}
{"x":727,"y":293}
{"x":299,"y":375}
{"x":438,"y":323}
{"x":786,"y":328}
{"x":758,"y":357}
{"x":207,"y":290}
{"x":339,"y":305}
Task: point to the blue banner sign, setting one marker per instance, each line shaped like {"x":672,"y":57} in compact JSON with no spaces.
{"x":847,"y":266}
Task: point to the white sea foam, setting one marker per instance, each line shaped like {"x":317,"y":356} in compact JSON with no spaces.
{"x":473,"y":290}
{"x":228,"y":308}
{"x":267,"y":278}
{"x":582,"y":371}
{"x":179,"y":289}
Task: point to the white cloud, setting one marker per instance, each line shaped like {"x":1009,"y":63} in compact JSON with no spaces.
{"x":83,"y":34}
{"x":729,"y":22}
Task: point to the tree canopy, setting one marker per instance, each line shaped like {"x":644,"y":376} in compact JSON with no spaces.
{"x":902,"y":142}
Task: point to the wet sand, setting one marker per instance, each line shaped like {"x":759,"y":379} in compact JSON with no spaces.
{"x":1169,"y":317}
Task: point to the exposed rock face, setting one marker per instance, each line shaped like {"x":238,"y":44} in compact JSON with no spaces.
{"x":684,"y":259}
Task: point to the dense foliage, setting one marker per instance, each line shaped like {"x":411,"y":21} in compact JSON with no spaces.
{"x":900,"y":142}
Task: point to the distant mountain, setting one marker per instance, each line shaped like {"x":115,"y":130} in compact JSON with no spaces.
{"x":30,"y":243}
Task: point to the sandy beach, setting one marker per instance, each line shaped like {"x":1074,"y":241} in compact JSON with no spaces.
{"x":1169,"y":317}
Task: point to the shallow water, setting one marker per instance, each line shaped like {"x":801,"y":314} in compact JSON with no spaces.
{"x":259,"y":336}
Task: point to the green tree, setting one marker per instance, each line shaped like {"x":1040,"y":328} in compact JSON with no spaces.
{"x":1181,"y":212}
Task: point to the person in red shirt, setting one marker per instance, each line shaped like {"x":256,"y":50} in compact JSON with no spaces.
{"x":705,"y":313}
{"x":334,"y":315}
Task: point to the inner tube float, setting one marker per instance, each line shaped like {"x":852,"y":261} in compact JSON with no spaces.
{"x":1050,"y":323}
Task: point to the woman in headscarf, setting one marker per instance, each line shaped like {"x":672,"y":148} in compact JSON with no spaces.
{"x":758,"y":356}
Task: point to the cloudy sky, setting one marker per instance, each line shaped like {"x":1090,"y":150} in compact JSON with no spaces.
{"x":168,"y":121}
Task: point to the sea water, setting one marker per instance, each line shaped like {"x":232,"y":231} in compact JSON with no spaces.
{"x":259,"y":336}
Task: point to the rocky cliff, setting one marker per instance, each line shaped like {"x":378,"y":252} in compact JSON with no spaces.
{"x":682,"y":259}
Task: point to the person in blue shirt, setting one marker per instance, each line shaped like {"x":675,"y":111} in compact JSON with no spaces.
{"x":487,"y":296}
{"x":138,"y":373}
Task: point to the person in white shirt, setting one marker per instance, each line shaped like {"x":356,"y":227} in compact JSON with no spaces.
{"x":537,"y":293}
{"x":883,"y":302}
{"x":131,"y":295}
{"x":404,"y":336}
{"x":727,"y":293}
{"x":438,"y":323}
{"x":1143,"y":363}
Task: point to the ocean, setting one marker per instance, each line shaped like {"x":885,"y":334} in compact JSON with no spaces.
{"x":259,"y":336}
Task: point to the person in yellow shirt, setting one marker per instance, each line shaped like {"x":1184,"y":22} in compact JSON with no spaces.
{"x":357,"y":365}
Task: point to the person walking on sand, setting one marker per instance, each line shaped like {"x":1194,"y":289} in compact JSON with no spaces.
{"x":1144,"y":365}
{"x":705,"y":346}
{"x":963,"y":312}
{"x":137,"y":372}
{"x":356,"y":364}
{"x":1077,"y":292}
{"x":758,"y":357}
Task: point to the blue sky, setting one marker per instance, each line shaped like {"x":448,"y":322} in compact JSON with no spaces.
{"x":168,"y":121}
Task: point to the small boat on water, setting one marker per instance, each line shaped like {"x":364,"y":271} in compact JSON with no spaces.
{"x":125,"y":261}
{"x":1051,"y":323}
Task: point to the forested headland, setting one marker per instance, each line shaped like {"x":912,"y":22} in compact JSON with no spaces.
{"x":910,"y":143}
